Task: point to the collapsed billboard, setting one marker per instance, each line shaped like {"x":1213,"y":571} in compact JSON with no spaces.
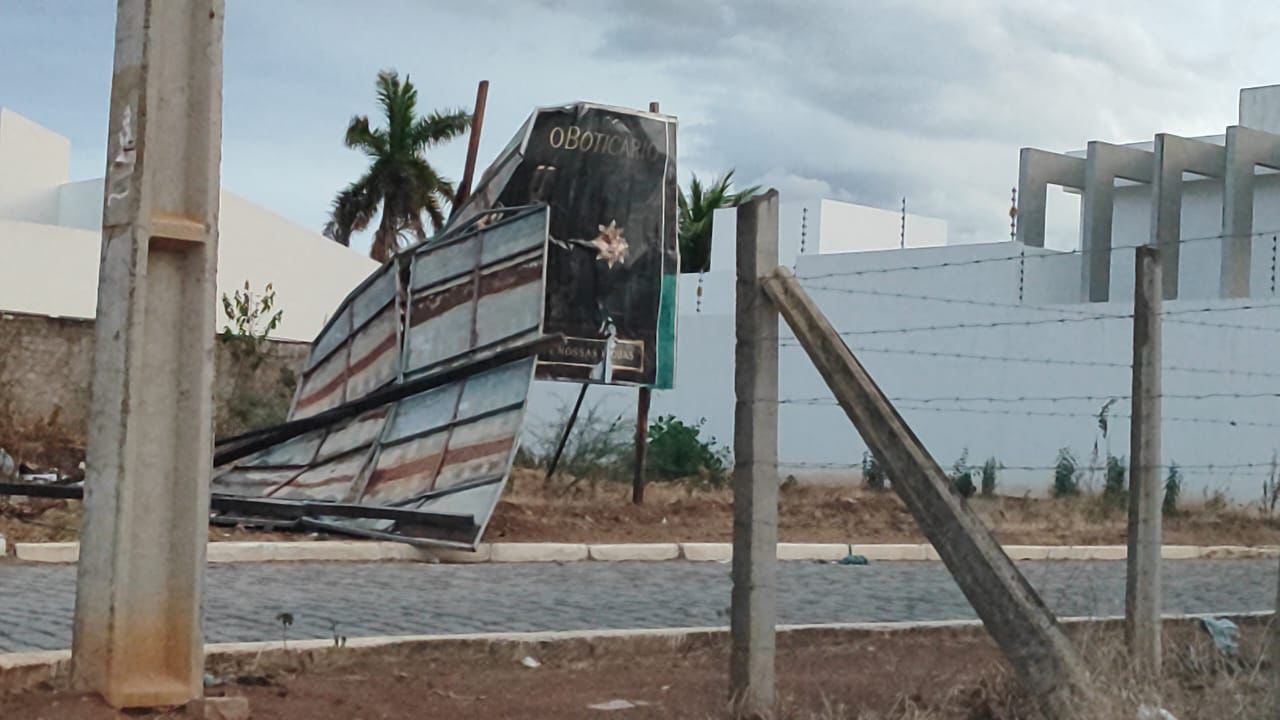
{"x":409,"y":411}
{"x":410,"y":407}
{"x":609,"y":177}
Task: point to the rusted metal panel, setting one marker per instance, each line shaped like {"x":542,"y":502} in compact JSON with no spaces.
{"x":440,"y":457}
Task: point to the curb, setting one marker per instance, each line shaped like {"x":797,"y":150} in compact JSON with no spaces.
{"x":24,"y":671}
{"x":371,"y":551}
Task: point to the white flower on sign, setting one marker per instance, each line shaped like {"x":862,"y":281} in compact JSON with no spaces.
{"x":612,"y":246}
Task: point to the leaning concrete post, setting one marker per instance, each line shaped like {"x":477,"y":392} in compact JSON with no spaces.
{"x":755,"y":467}
{"x":1142,"y":585}
{"x":137,"y":637}
{"x":1026,"y":631}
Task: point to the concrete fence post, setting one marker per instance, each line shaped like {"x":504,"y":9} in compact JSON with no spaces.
{"x":753,"y":616}
{"x":137,"y":639}
{"x":1142,"y":582}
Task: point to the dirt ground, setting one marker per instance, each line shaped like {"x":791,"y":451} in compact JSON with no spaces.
{"x":531,"y":511}
{"x":908,"y":676}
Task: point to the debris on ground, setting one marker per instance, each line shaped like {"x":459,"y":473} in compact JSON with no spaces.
{"x":1224,"y":633}
{"x":1146,"y":712}
{"x":852,"y":559}
{"x":618,"y":704}
{"x":530,"y":662}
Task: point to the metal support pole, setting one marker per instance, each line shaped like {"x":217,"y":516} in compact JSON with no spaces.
{"x":1142,"y":585}
{"x":643,"y":400}
{"x":642,"y":444}
{"x":753,"y":615}
{"x":137,"y":637}
{"x":564,"y":436}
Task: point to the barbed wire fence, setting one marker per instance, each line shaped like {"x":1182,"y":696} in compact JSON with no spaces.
{"x":1201,"y":390}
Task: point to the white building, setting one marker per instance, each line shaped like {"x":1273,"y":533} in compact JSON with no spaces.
{"x":992,"y":348}
{"x":51,"y":234}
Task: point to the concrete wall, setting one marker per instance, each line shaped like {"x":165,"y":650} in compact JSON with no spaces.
{"x":45,"y":368}
{"x":50,"y":239}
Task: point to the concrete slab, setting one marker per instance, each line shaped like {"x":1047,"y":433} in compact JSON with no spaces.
{"x":707,"y":552}
{"x":538,"y":552}
{"x":1027,"y":552}
{"x":634,"y":552}
{"x":65,"y":552}
{"x":812,"y":551}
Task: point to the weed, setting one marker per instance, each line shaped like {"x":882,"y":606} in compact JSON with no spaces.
{"x":1115,"y":491}
{"x":1172,"y":490}
{"x":990,"y":469}
{"x":962,"y":476}
{"x":873,"y":476}
{"x":285,"y":619}
{"x":1066,"y":475}
{"x":599,"y":447}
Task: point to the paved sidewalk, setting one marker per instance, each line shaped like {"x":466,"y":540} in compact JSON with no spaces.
{"x":36,"y":601}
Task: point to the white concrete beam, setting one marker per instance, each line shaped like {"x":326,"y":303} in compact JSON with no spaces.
{"x":1246,"y":149}
{"x":136,"y":636}
{"x":1175,"y":155}
{"x":1104,"y":163}
{"x":1037,"y":170}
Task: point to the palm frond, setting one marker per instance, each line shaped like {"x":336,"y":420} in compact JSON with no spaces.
{"x":353,"y":210}
{"x":438,"y":128}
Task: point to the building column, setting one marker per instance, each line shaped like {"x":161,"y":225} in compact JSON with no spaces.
{"x":1175,"y":155}
{"x":1245,"y":150}
{"x":1037,"y":170}
{"x":1104,"y":163}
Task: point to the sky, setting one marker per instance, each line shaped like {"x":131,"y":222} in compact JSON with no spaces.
{"x":868,"y":101}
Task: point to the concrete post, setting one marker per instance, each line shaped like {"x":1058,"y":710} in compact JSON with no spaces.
{"x":137,"y":637}
{"x":1142,"y":584}
{"x":1104,"y":163}
{"x":1037,"y":170}
{"x":755,"y":470}
{"x":1175,"y":155}
{"x":1025,"y":630}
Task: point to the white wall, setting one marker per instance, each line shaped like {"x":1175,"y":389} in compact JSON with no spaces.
{"x":33,"y":163}
{"x":847,"y":227}
{"x":50,"y":240}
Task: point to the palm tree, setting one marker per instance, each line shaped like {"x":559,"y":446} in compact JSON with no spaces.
{"x":696,"y":211}
{"x":399,"y":178}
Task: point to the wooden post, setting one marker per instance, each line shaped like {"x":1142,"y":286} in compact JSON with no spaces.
{"x":137,"y":639}
{"x":753,"y":615}
{"x":1142,"y":583}
{"x":1024,"y":629}
{"x":473,"y":145}
{"x":643,"y":399}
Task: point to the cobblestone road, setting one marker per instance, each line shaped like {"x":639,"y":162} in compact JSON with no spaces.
{"x":404,"y":598}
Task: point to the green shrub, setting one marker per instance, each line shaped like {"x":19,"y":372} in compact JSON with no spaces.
{"x":1066,"y":475}
{"x":990,"y":469}
{"x":1172,"y":490}
{"x":962,"y":476}
{"x":677,"y":451}
{"x":1115,"y":491}
{"x":873,"y":476}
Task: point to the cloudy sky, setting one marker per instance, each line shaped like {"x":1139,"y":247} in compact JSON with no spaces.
{"x":863,"y":100}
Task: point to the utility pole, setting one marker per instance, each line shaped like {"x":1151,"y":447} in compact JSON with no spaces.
{"x":137,"y":639}
{"x":643,"y":400}
{"x":1142,"y":583}
{"x":753,"y":615}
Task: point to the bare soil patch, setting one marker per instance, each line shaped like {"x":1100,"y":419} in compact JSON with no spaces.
{"x":917,"y":675}
{"x":532,"y":511}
